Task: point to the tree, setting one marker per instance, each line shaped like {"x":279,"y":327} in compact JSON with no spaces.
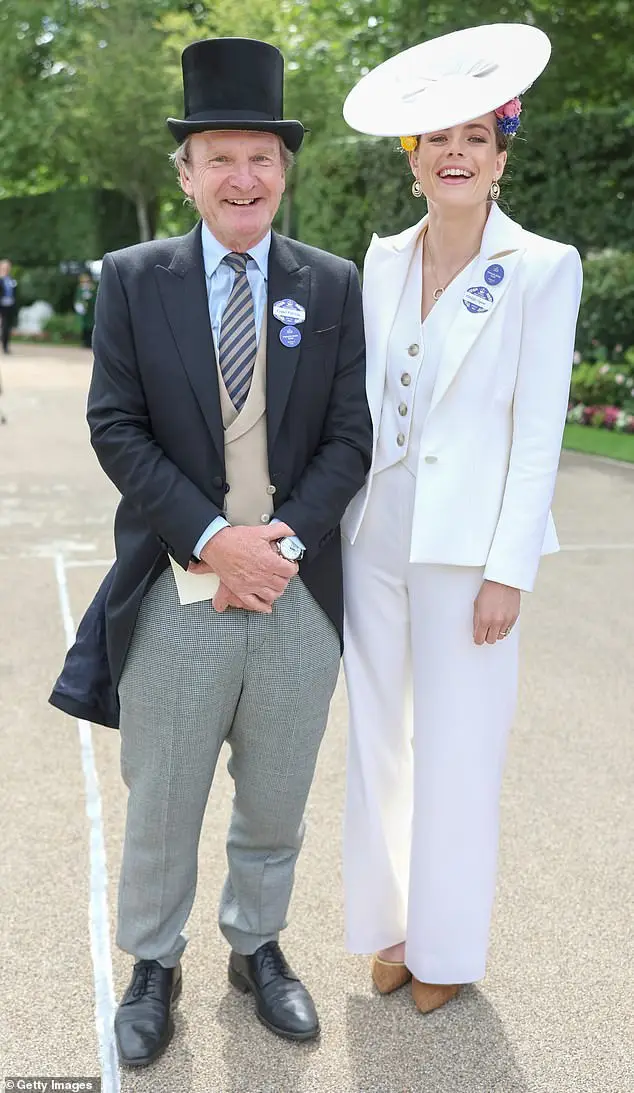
{"x":122,"y":81}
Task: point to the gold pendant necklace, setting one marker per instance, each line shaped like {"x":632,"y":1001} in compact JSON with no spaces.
{"x":437,"y":292}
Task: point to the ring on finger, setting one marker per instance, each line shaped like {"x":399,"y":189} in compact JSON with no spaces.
{"x":505,"y":633}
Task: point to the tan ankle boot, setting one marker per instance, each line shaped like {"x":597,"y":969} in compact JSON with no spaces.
{"x":388,"y":975}
{"x":429,"y":996}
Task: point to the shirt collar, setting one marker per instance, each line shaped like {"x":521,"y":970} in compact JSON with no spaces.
{"x":214,"y":252}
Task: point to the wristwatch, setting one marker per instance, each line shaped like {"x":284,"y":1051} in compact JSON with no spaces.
{"x":290,"y":548}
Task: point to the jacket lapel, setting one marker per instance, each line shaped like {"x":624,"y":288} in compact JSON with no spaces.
{"x":385,"y":273}
{"x":502,"y":249}
{"x":184,"y":294}
{"x":286,"y":281}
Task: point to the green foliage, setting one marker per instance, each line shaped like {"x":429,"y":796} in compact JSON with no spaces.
{"x":176,"y":217}
{"x":63,"y":329}
{"x":67,"y":224}
{"x":607,"y":309}
{"x":604,"y":382}
{"x":571,"y":177}
{"x":348,"y":189}
{"x":112,"y":127}
{"x":46,"y":283}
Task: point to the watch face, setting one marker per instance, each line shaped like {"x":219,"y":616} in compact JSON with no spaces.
{"x":291,"y":551}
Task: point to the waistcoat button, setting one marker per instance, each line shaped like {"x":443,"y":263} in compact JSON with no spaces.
{"x":402,"y":409}
{"x":400,"y":440}
{"x":413,"y":349}
{"x":431,"y":458}
{"x":264,"y":519}
{"x":406,"y":379}
{"x":271,"y":490}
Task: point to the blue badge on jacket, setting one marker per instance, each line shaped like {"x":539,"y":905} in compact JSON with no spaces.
{"x":477,"y":299}
{"x":290,"y":336}
{"x":493,"y":275}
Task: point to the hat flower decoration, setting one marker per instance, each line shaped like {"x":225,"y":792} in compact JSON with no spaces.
{"x":508,"y":117}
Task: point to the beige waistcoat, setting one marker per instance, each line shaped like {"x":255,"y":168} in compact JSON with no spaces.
{"x":250,"y":497}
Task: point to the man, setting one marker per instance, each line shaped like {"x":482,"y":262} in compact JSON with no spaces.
{"x":8,"y":302}
{"x":227,"y":404}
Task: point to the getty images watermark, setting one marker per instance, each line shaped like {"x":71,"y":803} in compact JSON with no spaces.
{"x":52,"y":1085}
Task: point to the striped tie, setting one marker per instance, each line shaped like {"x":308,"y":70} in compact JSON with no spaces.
{"x":238,"y":343}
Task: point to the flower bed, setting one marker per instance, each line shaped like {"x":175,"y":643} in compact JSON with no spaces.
{"x":601,"y":417}
{"x":602,"y":390}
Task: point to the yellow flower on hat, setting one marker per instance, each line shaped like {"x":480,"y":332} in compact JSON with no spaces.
{"x":409,"y":143}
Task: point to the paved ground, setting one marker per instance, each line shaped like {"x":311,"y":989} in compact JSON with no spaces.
{"x":554,"y":1014}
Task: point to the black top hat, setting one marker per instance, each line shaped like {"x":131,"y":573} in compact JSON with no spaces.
{"x":234,"y":83}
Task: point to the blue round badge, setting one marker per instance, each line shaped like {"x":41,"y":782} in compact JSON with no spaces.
{"x":477,"y":299}
{"x":290,"y":336}
{"x":494,"y":274}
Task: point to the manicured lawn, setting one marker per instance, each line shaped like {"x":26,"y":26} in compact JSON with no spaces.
{"x":583,"y":438}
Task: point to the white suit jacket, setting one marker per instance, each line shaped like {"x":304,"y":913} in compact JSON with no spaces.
{"x":492,"y":438}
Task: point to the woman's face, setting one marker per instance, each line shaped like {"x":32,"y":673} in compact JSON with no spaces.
{"x":457,"y":166}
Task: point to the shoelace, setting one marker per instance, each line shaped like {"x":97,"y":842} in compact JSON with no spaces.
{"x":145,"y":982}
{"x":273,"y":961}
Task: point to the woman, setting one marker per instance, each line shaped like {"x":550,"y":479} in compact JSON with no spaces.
{"x":470,"y":326}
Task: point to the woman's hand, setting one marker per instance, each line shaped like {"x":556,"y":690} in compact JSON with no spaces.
{"x":495,"y":612}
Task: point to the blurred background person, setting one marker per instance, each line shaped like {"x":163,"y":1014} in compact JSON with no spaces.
{"x":8,"y":302}
{"x":84,"y":305}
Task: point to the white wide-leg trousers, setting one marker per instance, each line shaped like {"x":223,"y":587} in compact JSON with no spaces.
{"x":430,"y":713}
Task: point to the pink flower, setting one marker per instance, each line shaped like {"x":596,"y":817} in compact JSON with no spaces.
{"x":619,"y":378}
{"x":604,"y":369}
{"x":511,"y":109}
{"x":618,"y":348}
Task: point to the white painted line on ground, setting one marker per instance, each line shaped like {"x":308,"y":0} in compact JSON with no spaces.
{"x":85,"y":563}
{"x":82,"y":563}
{"x":98,"y":908}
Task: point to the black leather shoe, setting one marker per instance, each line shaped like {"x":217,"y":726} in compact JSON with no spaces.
{"x":282,"y":1002}
{"x":143,"y":1023}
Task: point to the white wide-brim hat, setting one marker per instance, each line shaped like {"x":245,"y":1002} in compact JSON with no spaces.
{"x":448,"y":80}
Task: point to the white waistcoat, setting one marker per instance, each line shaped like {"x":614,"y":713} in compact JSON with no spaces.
{"x":413,"y":357}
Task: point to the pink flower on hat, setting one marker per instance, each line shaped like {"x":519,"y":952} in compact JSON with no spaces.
{"x":511,"y":109}
{"x":508,"y":117}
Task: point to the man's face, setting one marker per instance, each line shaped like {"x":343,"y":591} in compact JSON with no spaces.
{"x":5,"y":268}
{"x":236,"y":180}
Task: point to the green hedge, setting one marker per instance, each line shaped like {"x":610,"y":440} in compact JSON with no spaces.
{"x":569,"y":178}
{"x":45,"y":283}
{"x":79,"y":225}
{"x":572,"y":178}
{"x":607,"y":307}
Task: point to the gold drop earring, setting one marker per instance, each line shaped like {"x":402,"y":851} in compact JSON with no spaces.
{"x":494,"y":192}
{"x":417,"y":189}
